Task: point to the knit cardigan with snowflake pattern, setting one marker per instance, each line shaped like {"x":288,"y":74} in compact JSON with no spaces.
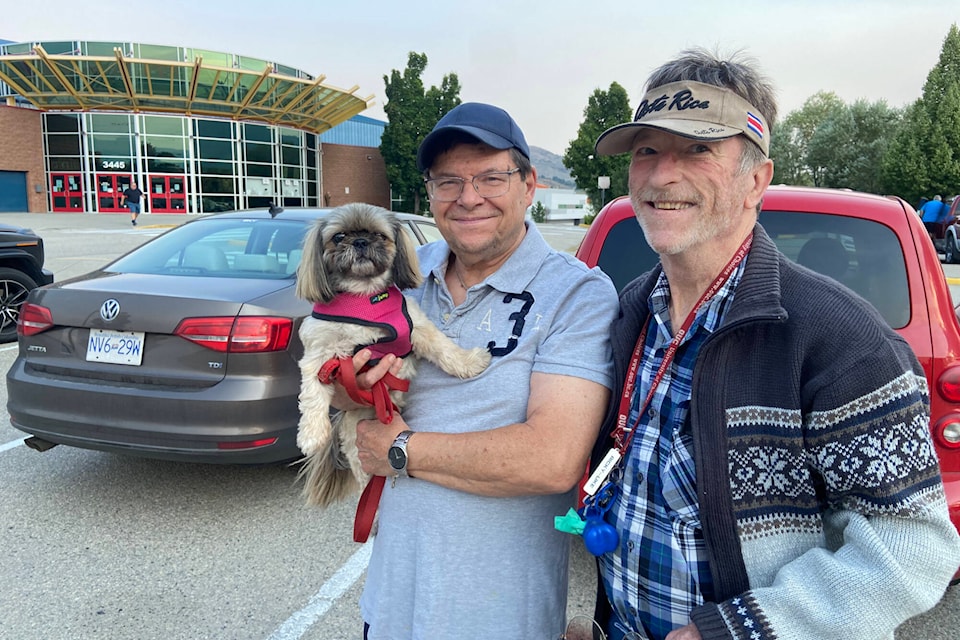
{"x":820,"y":495}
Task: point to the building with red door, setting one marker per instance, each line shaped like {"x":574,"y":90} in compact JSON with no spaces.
{"x":198,"y":131}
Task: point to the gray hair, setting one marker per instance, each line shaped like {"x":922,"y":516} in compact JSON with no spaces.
{"x":738,"y":73}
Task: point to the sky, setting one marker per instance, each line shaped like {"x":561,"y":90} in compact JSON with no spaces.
{"x":539,"y":61}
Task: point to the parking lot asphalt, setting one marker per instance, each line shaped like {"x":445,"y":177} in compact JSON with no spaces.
{"x":96,"y":543}
{"x":40,"y":222}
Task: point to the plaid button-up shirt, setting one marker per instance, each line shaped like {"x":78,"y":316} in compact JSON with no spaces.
{"x":659,"y":572}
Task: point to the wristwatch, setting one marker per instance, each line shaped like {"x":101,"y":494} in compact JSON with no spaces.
{"x":398,"y":454}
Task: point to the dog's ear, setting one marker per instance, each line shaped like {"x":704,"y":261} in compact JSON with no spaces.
{"x":312,"y":281}
{"x":406,"y":266}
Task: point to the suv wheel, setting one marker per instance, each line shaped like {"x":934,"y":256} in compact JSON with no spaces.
{"x":14,"y":287}
{"x":951,"y":255}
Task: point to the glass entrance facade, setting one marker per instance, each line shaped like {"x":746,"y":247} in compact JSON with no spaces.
{"x":184,"y":164}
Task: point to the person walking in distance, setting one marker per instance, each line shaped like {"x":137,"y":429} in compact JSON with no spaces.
{"x":132,"y":195}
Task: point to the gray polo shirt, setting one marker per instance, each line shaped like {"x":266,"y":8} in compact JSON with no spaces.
{"x":448,"y":564}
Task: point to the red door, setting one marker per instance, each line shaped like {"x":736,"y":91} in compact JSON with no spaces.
{"x":110,"y":188}
{"x":66,"y":192}
{"x":168,"y":194}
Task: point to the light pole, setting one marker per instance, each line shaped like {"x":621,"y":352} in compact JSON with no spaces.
{"x":603,"y":183}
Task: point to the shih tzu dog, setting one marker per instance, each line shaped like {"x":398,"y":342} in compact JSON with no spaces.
{"x":355,"y":261}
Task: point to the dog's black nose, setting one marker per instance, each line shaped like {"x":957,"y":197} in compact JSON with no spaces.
{"x":360,"y":243}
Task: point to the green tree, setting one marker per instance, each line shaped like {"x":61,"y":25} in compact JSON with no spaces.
{"x":790,"y":147}
{"x":538,"y":212}
{"x":850,"y":144}
{"x":924,"y":158}
{"x":788,"y":162}
{"x":904,"y":167}
{"x":604,"y":110}
{"x":411,"y":114}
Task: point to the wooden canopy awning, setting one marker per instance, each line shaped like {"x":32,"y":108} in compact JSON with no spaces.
{"x":123,"y":83}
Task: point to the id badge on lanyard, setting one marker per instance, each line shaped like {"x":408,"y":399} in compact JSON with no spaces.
{"x":602,"y":487}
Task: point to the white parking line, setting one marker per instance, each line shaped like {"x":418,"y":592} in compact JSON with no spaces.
{"x":11,"y":445}
{"x":301,"y":621}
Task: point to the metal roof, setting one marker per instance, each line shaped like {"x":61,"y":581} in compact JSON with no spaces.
{"x":358,"y":131}
{"x":126,"y":83}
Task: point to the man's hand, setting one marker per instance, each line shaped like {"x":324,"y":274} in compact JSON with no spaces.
{"x":374,"y":440}
{"x":389,"y":363}
{"x":688,"y":632}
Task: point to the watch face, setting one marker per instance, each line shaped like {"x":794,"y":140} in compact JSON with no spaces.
{"x":397,"y":457}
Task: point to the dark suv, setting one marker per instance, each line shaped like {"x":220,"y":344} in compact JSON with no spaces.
{"x":877,"y":246}
{"x":945,"y":236}
{"x":21,"y":269}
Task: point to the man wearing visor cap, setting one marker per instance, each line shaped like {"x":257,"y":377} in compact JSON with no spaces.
{"x":752,"y":497}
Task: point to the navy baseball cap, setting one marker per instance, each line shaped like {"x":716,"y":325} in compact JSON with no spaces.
{"x":490,"y":125}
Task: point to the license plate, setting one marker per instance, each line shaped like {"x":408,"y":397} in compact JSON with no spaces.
{"x":116,"y":347}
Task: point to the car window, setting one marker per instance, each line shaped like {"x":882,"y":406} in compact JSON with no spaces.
{"x":233,"y":248}
{"x":862,"y":254}
{"x":625,"y":253}
{"x":430,"y":231}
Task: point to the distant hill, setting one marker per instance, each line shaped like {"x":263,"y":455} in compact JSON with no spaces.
{"x":550,"y":169}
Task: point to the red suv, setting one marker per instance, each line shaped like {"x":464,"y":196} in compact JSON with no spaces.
{"x":876,"y":246}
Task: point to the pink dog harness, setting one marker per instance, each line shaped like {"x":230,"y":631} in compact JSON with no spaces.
{"x":386,"y":310}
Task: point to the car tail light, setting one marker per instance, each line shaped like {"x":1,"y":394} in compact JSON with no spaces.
{"x":948,"y":432}
{"x":245,"y":334}
{"x":33,"y":319}
{"x":948,"y":384}
{"x":246,"y":444}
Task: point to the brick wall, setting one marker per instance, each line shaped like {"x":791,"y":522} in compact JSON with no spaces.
{"x":354,"y":174}
{"x":21,"y":149}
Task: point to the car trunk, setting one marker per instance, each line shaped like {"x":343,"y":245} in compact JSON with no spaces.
{"x":167,"y":359}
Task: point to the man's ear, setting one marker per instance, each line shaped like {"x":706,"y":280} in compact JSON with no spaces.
{"x":762,"y":176}
{"x":531,"y":187}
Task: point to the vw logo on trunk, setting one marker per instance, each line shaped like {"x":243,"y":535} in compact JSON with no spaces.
{"x":109,"y":310}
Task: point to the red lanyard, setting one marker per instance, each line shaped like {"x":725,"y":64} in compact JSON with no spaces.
{"x":631,"y":379}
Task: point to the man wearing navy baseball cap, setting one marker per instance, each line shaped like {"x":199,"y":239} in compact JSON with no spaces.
{"x":466,"y":546}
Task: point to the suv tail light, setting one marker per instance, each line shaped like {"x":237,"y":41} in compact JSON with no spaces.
{"x":947,"y":430}
{"x":33,"y":319}
{"x":244,"y":334}
{"x":948,"y":433}
{"x":948,"y":384}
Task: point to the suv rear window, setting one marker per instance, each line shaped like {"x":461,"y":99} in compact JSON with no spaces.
{"x":862,"y":254}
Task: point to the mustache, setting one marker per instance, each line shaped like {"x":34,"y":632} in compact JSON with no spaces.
{"x":662,"y":195}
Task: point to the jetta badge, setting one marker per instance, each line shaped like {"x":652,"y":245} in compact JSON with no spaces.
{"x":109,"y":310}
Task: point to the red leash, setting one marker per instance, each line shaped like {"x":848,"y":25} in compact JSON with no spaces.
{"x":379,"y":398}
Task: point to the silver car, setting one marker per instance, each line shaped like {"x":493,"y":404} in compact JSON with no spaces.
{"x":186,"y":348}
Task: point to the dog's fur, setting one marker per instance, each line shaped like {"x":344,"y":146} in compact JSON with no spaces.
{"x":359,"y":249}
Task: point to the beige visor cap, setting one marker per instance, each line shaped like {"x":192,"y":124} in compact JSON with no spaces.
{"x":692,"y":110}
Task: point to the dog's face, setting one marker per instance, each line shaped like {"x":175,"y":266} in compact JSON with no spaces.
{"x":357,"y":248}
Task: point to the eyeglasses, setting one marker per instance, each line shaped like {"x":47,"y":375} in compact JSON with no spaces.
{"x":585,"y":628}
{"x":489,"y":185}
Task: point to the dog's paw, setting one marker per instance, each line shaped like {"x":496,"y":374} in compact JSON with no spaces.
{"x":474,"y":363}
